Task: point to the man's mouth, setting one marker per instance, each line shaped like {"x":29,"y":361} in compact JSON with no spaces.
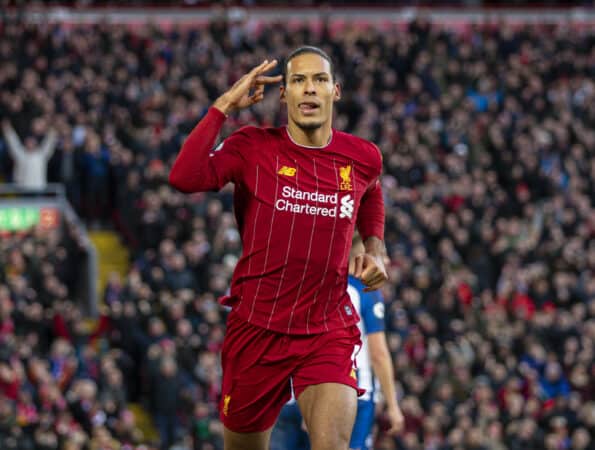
{"x":308,"y":107}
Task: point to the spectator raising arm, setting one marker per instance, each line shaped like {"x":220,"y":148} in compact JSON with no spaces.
{"x":49,"y":144}
{"x":14,"y":144}
{"x":30,"y":160}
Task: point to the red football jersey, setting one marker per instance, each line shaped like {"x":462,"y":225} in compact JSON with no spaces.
{"x":296,"y":209}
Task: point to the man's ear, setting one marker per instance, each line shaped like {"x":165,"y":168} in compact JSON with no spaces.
{"x":337,"y":95}
{"x":282,"y":94}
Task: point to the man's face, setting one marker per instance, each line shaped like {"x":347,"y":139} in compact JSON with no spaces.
{"x":309,"y":91}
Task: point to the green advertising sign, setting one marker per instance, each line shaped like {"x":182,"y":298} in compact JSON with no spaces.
{"x":16,"y":219}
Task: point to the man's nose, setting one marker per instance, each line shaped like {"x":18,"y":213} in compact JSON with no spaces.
{"x":309,"y":87}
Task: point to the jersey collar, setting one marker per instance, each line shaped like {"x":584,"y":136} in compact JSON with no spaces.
{"x":310,"y":146}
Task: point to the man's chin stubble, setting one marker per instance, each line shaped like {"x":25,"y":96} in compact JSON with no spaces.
{"x":309,"y":126}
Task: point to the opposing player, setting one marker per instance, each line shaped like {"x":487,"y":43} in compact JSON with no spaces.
{"x":374,"y":367}
{"x":299,"y":192}
{"x":374,"y":364}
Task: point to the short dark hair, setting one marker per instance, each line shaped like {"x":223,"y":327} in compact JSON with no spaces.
{"x":302,"y":50}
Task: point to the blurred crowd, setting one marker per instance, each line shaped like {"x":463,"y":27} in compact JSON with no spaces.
{"x":299,"y":3}
{"x":57,"y":390}
{"x":488,"y":138}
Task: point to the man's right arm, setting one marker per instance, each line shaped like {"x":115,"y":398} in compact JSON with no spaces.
{"x":196,"y":169}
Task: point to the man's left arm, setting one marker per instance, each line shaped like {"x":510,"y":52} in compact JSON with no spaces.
{"x":370,"y":223}
{"x":370,"y":216}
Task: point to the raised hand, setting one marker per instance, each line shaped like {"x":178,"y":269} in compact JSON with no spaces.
{"x":248,"y":90}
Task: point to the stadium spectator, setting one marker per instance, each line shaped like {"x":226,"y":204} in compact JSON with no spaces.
{"x":31,"y":159}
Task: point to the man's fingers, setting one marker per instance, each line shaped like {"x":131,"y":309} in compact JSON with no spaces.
{"x":378,"y":280}
{"x":367,"y":272}
{"x":370,"y":273}
{"x":261,"y":79}
{"x":258,"y":90}
{"x":351,"y":266}
{"x":250,"y":77}
{"x":258,"y":94}
{"x":358,"y":266}
{"x":255,"y":99}
{"x":268,"y":66}
{"x":374,"y":281}
{"x":256,"y":70}
{"x":239,"y":94}
{"x":263,"y":67}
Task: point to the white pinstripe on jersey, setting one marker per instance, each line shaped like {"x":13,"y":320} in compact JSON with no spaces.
{"x":293,"y":216}
{"x":307,"y":257}
{"x":329,"y":254}
{"x":266,"y":257}
{"x":254,"y":228}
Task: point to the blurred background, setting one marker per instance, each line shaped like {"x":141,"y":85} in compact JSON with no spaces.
{"x":485,"y":114}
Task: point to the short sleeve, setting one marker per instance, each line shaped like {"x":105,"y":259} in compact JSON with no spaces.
{"x":372,"y":311}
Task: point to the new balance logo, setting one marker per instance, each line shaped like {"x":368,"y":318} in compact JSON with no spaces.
{"x":287,"y":171}
{"x":346,"y":207}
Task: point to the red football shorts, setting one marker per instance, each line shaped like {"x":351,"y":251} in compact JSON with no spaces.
{"x":258,"y":365}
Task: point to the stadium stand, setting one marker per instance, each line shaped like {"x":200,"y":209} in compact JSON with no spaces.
{"x":488,"y":138}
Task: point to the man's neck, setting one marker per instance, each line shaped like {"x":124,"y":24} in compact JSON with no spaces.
{"x":320,"y":137}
